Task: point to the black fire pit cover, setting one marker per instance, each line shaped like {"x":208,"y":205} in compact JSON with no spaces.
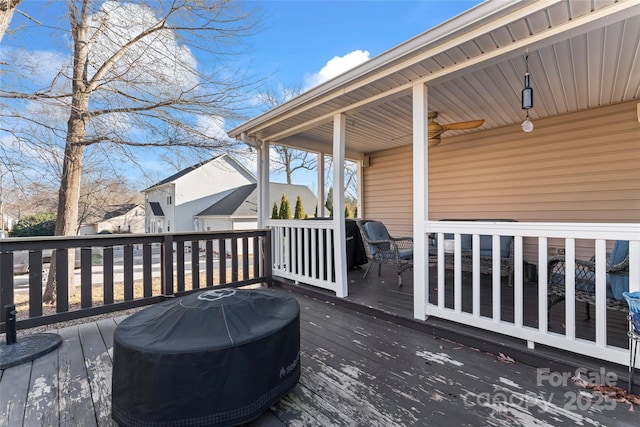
{"x":217,"y":357}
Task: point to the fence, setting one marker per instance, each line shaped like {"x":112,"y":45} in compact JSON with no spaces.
{"x":118,"y":272}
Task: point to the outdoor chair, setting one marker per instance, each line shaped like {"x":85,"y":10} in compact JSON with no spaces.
{"x":633,"y":300}
{"x":585,"y":278}
{"x":382,"y":248}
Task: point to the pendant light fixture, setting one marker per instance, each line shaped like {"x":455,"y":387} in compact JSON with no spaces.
{"x":527,"y":98}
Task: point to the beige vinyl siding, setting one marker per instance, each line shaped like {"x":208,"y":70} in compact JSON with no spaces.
{"x":579,"y":167}
{"x":582,"y":167}
{"x":388,"y":190}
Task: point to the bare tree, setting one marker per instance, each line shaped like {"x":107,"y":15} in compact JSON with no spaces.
{"x":350,"y":182}
{"x":286,"y":159}
{"x":132,"y":80}
{"x":7,"y":8}
{"x":101,"y":194}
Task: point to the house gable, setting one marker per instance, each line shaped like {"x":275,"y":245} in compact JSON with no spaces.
{"x":173,"y":202}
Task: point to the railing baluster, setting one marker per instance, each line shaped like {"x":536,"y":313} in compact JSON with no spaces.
{"x":222,"y":259}
{"x":601,"y":293}
{"x":234,"y":260}
{"x":107,"y":274}
{"x":166,"y":264}
{"x":543,"y":286}
{"x":35,"y":283}
{"x":86,"y":297}
{"x":180,"y":265}
{"x":195,"y":264}
{"x":209,"y":262}
{"x":496,"y":278}
{"x":570,"y":288}
{"x":257,"y":256}
{"x":147,"y":270}
{"x":128,"y":272}
{"x":62,"y":279}
{"x":245,"y":258}
{"x":6,"y":279}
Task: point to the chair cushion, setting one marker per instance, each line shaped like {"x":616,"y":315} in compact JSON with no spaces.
{"x":486,"y":243}
{"x":466,"y":242}
{"x":617,"y":284}
{"x":620,"y":252}
{"x":405,"y":253}
{"x":376,"y":230}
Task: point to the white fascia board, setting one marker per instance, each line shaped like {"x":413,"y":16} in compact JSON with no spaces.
{"x":485,"y":13}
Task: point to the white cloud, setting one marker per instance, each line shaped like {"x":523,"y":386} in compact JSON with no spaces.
{"x":336,"y":66}
{"x":157,"y":63}
{"x":212,"y":126}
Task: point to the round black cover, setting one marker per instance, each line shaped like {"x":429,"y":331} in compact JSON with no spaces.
{"x":217,"y":357}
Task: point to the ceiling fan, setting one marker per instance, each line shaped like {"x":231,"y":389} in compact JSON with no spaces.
{"x":436,"y":130}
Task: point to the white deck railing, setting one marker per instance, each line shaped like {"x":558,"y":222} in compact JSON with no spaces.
{"x":303,"y":251}
{"x":535,"y":234}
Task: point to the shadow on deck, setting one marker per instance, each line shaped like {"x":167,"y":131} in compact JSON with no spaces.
{"x":357,"y":370}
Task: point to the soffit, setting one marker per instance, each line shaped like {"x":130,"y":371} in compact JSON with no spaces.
{"x":577,"y":67}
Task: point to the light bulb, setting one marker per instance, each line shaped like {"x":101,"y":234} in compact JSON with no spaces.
{"x":527,"y":125}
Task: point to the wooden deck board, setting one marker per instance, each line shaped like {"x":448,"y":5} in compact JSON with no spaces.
{"x":42,"y":404}
{"x":99,"y":368}
{"x":75,"y":401}
{"x":14,"y":388}
{"x":357,"y":370}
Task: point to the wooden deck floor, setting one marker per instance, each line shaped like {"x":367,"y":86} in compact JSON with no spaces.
{"x":384,"y":294}
{"x":357,"y":370}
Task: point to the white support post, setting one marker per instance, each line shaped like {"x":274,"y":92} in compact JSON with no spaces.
{"x":359,"y":205}
{"x":264,"y":209}
{"x":321,"y":195}
{"x":339,"y":135}
{"x":420,"y":202}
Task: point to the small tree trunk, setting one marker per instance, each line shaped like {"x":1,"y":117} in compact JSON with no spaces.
{"x":7,"y":7}
{"x":66,"y":222}
{"x":69,"y":194}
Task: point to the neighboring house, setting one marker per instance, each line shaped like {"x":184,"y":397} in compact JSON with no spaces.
{"x":171,"y":204}
{"x":126,"y":218}
{"x":8,"y":222}
{"x":237,"y":209}
{"x":572,"y":185}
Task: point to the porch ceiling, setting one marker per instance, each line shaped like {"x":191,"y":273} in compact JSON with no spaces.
{"x":582,"y":54}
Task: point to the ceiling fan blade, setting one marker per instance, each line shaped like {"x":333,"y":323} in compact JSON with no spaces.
{"x":463,"y":125}
{"x":436,"y":135}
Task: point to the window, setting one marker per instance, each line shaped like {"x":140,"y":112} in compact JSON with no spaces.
{"x":168,"y":200}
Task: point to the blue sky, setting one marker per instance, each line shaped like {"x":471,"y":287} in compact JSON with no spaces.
{"x":300,"y":42}
{"x":302,"y":36}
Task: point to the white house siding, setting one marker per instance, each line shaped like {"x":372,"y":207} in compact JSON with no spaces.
{"x":131,"y":222}
{"x":216,"y":224}
{"x":210,"y":179}
{"x":228,"y":224}
{"x":161,"y":195}
{"x":580,"y":167}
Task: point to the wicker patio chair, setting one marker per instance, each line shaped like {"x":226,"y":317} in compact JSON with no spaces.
{"x":617,"y":279}
{"x":382,"y":248}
